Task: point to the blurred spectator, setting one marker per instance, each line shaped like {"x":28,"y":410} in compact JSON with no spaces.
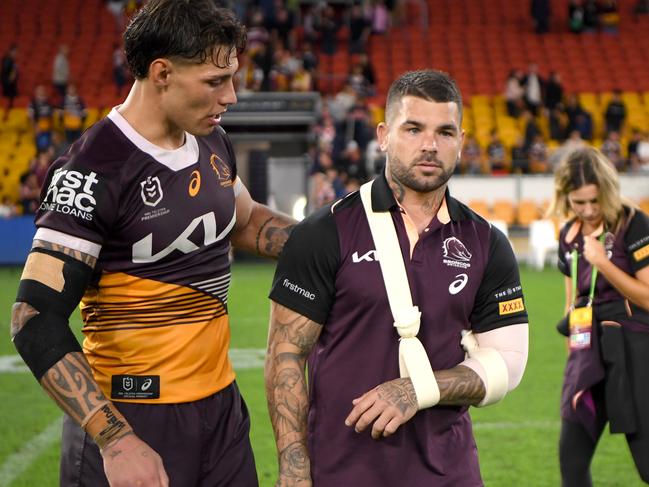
{"x":309,"y":57}
{"x":342,"y":103}
{"x":359,"y":29}
{"x":572,"y":142}
{"x":374,"y":158}
{"x":380,"y":17}
{"x":514,"y":93}
{"x":615,"y":113}
{"x":572,"y":109}
{"x":584,"y":125}
{"x":29,"y":192}
{"x":632,"y":149}
{"x":368,"y":70}
{"x":612,"y":148}
{"x":538,"y":156}
{"x":258,"y":35}
{"x":531,"y":129}
{"x":352,"y":161}
{"x":61,"y":71}
{"x":496,"y":155}
{"x":533,"y":85}
{"x":576,"y":13}
{"x":540,"y":10}
{"x":336,"y":181}
{"x":41,"y":114}
{"x":73,"y":114}
{"x":283,"y":27}
{"x":249,"y":76}
{"x":591,"y":15}
{"x":643,"y":154}
{"x":302,"y":79}
{"x":357,"y":80}
{"x":40,"y":165}
{"x":328,"y":27}
{"x":553,"y":91}
{"x":641,"y":7}
{"x":9,"y":75}
{"x":558,"y":123}
{"x":322,"y":191}
{"x":471,"y":161}
{"x":8,"y":208}
{"x":117,"y":8}
{"x":520,"y":161}
{"x":59,"y":145}
{"x":120,"y":71}
{"x":609,"y":16}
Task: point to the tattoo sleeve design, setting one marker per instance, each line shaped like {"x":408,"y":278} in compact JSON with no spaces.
{"x":272,"y":236}
{"x":400,"y":393}
{"x":291,"y":338}
{"x":459,"y":386}
{"x":70,"y":382}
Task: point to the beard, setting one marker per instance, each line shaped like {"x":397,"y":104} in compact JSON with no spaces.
{"x":406,"y":175}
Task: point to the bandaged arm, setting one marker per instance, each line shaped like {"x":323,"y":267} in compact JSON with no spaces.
{"x":52,"y":284}
{"x":506,"y":353}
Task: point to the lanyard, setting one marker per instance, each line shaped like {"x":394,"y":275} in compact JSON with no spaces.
{"x":593,"y":276}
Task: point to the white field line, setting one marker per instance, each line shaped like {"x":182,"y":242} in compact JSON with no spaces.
{"x":16,"y":463}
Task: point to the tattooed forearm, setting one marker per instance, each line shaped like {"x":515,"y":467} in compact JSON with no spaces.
{"x":80,"y":256}
{"x":290,"y":340}
{"x":459,"y":386}
{"x":21,"y":313}
{"x":400,"y":393}
{"x":294,"y":462}
{"x":71,"y":384}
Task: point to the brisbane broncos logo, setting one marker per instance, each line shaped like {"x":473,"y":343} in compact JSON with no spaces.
{"x":221,"y":170}
{"x":151,"y":191}
{"x":455,"y":253}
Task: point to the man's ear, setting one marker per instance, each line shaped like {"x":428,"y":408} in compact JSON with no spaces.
{"x":159,"y":71}
{"x":382,"y":136}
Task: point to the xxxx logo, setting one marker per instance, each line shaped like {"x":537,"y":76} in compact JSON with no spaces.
{"x":194,"y":183}
{"x":509,"y":307}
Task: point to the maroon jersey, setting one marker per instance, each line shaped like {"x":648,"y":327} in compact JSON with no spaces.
{"x":155,"y":315}
{"x":462,"y":274}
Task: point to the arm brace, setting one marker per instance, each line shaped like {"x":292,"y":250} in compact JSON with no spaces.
{"x":498,"y":357}
{"x":46,"y":338}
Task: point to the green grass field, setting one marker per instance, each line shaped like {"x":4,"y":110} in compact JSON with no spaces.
{"x":517,"y":439}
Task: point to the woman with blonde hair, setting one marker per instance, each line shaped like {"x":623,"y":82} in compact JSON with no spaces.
{"x":604,"y":255}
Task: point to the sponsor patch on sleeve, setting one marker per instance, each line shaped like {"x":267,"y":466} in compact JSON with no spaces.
{"x":511,"y":306}
{"x":642,"y":253}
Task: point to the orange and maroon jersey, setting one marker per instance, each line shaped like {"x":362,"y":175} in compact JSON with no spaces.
{"x":155,"y":315}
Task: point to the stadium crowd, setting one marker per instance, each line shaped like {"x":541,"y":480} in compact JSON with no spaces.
{"x":286,"y":42}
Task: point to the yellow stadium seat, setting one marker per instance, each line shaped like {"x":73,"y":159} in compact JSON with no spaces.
{"x":527,"y":212}
{"x":644,"y":205}
{"x":481,"y":207}
{"x":503,"y":210}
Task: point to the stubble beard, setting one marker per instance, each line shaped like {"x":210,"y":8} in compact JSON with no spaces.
{"x":405,"y":175}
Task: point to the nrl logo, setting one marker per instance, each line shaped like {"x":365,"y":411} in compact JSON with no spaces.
{"x":151,"y":191}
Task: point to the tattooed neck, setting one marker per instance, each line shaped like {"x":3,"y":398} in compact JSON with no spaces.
{"x":398,"y":189}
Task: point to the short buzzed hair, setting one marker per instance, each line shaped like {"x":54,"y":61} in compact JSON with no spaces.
{"x":428,"y":84}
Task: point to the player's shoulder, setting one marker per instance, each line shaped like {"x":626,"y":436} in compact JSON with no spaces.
{"x":101,"y":148}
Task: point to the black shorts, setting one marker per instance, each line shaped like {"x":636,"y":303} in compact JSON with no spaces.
{"x":202,"y":443}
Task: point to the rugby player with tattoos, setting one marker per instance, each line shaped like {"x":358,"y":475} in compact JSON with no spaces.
{"x":359,"y":419}
{"x":136,"y":222}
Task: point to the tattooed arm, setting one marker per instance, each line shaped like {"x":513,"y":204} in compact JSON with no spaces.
{"x":291,"y":337}
{"x":259,"y":229}
{"x":393,"y":403}
{"x":70,"y":383}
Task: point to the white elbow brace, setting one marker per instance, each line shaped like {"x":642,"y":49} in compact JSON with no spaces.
{"x":495,"y":368}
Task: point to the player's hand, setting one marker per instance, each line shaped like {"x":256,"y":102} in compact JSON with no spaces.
{"x":387,"y":406}
{"x":594,"y":251}
{"x":129,"y":462}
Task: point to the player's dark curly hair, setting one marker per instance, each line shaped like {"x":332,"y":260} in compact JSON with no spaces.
{"x":429,"y":84}
{"x":193,"y":30}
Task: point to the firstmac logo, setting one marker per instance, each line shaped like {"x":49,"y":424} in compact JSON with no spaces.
{"x":71,"y":193}
{"x":297,"y":289}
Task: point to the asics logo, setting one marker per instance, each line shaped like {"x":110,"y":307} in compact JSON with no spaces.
{"x":146,"y":384}
{"x":194,"y":183}
{"x":458,"y":284}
